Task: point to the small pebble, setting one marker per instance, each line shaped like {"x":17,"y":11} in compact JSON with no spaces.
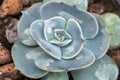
{"x":10,"y":7}
{"x":7,"y":79}
{"x":5,"y":56}
{"x":9,"y":72}
{"x":97,"y":8}
{"x":115,"y":54}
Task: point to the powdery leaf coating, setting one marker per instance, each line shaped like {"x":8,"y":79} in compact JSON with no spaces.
{"x":102,"y":40}
{"x":4,"y":55}
{"x":103,"y":69}
{"x":45,"y":62}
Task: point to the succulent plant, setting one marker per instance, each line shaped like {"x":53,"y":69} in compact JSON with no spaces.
{"x":112,"y":24}
{"x":56,"y":38}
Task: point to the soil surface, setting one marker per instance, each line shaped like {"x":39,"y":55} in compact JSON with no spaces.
{"x":8,"y":31}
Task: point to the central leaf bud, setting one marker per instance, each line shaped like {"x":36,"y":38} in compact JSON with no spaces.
{"x":61,"y":37}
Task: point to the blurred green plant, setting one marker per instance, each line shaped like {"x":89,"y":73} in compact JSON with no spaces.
{"x":112,"y":24}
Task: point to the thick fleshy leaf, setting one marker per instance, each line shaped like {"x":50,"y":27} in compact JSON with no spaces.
{"x":74,"y":48}
{"x":80,"y":4}
{"x":26,"y":66}
{"x":56,"y":76}
{"x":29,"y":41}
{"x":100,"y":44}
{"x":37,"y":32}
{"x":27,"y":18}
{"x":102,"y":69}
{"x":52,"y":24}
{"x":88,"y":22}
{"x":112,"y":24}
{"x":48,"y":63}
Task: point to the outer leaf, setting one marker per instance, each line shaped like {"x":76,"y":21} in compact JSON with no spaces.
{"x":80,"y":4}
{"x":29,"y":41}
{"x":87,"y":21}
{"x":52,"y":24}
{"x":100,"y":44}
{"x":102,"y":69}
{"x":46,"y":62}
{"x":74,"y":48}
{"x":27,"y":18}
{"x":56,"y":76}
{"x":112,"y":23}
{"x":37,"y":32}
{"x":23,"y":64}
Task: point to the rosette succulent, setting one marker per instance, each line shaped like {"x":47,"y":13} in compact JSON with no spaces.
{"x":56,"y":38}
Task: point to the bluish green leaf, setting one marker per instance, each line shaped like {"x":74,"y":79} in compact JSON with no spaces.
{"x":56,"y":76}
{"x":102,"y":69}
{"x":26,"y":66}
{"x":29,"y":41}
{"x":37,"y":32}
{"x":74,"y":48}
{"x":52,"y":24}
{"x":87,"y":21}
{"x":100,"y":44}
{"x":27,"y":18}
{"x":48,"y":63}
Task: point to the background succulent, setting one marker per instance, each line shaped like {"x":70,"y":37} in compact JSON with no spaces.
{"x":112,"y":23}
{"x":80,"y":4}
{"x":55,"y":38}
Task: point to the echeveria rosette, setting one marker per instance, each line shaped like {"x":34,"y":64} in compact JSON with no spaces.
{"x":56,"y":37}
